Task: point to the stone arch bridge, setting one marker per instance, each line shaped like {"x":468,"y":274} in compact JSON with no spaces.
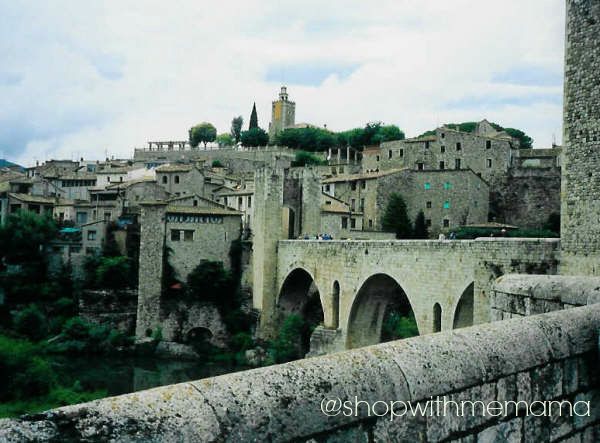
{"x":446,"y":283}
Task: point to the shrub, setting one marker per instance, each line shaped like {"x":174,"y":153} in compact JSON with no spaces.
{"x":113,"y":273}
{"x":287,"y":345}
{"x":31,"y":322}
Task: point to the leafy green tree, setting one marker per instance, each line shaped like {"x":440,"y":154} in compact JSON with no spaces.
{"x":114,"y":273}
{"x":31,"y":323}
{"x":398,"y":326}
{"x":25,"y":236}
{"x":225,"y":140}
{"x":395,"y":218}
{"x":388,"y":133}
{"x":307,"y":139}
{"x":255,"y":137}
{"x":525,"y":142}
{"x":202,"y":133}
{"x":304,"y":158}
{"x":217,"y":164}
{"x":211,"y":282}
{"x":288,"y":344}
{"x":421,"y":231}
{"x":110,"y":248}
{"x":236,"y":128}
{"x":253,"y":118}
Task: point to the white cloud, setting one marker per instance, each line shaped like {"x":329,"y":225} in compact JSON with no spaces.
{"x":83,"y":78}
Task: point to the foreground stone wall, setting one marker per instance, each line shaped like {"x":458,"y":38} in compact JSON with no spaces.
{"x":552,"y":356}
{"x":518,"y":295}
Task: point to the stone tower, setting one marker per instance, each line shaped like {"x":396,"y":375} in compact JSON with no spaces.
{"x":580,"y":204}
{"x":152,"y":237}
{"x":283,"y":114}
{"x":268,"y":229}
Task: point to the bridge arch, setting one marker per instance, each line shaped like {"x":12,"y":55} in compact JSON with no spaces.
{"x":379,"y":302}
{"x":463,"y":312}
{"x":300,"y":295}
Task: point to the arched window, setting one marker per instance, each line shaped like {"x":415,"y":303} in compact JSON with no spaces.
{"x":335,"y":304}
{"x":437,"y":318}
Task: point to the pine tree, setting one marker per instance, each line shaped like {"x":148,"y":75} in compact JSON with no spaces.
{"x":396,"y":218}
{"x":253,"y":118}
{"x":421,"y":230}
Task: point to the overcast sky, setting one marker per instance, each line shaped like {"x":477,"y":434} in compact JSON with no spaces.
{"x":86,"y":78}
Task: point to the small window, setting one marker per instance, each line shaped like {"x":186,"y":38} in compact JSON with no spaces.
{"x":443,"y":135}
{"x":488,"y":144}
{"x":91,"y":235}
{"x":446,"y":223}
{"x":353,"y":204}
{"x":446,"y":204}
{"x":249,"y":201}
{"x":458,"y":146}
{"x":175,"y":235}
{"x":353,"y":186}
{"x":401,"y":152}
{"x":327,"y":188}
{"x":442,"y":165}
{"x":188,"y":235}
{"x":428,"y":205}
{"x":420,"y":166}
{"x":362,"y":204}
{"x":447,"y":186}
{"x":428,"y":222}
{"x":165,"y":179}
{"x":353,"y":223}
{"x":377,"y":158}
{"x":489,"y":162}
{"x":121,"y":179}
{"x":390,"y":153}
{"x":426,"y":145}
{"x":195,"y":202}
{"x":344,"y":222}
{"x":363,"y":184}
{"x":107,"y":216}
{"x":457,"y":163}
{"x":427,"y":186}
{"x":442,"y":149}
{"x":370,"y":224}
{"x":176,"y":179}
{"x":239,"y":202}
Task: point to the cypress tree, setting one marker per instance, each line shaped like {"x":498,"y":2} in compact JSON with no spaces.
{"x":396,"y":218}
{"x":421,"y":230}
{"x":253,"y":118}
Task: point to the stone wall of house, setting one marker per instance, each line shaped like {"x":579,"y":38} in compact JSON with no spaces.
{"x":548,"y":357}
{"x":526,"y":197}
{"x":211,"y":241}
{"x":447,"y":146}
{"x":447,"y":198}
{"x":581,"y":152}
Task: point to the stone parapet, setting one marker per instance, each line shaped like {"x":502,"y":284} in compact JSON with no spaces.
{"x":546,"y":357}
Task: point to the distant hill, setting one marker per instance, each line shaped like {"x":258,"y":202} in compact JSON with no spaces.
{"x":6,"y":164}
